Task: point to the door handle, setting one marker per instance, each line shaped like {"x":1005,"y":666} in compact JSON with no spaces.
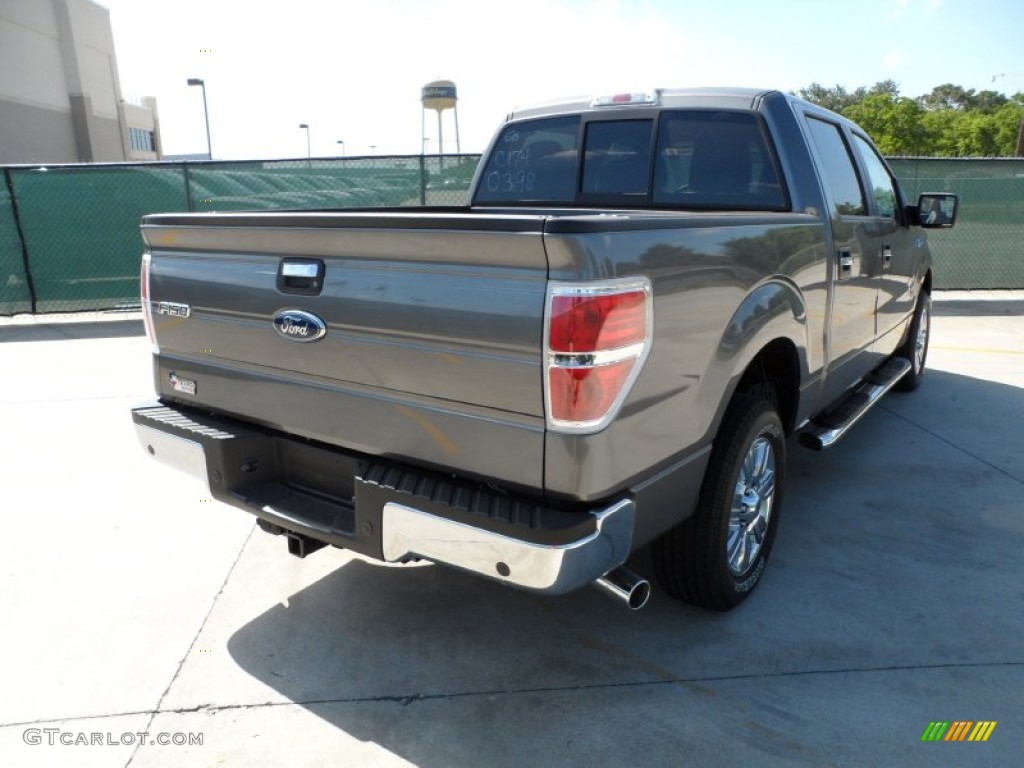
{"x":886,"y":257}
{"x":845,"y":262}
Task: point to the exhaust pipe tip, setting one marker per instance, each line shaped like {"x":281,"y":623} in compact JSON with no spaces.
{"x":625,"y":586}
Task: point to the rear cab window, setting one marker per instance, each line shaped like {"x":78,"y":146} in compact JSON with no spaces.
{"x":532,"y":162}
{"x":617,"y":160}
{"x":710,"y":159}
{"x":686,"y":159}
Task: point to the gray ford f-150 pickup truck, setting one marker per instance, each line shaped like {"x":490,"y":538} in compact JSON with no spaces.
{"x":607,"y":348}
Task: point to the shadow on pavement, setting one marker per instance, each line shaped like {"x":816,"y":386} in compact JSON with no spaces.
{"x":898,"y":550}
{"x":978,"y":308}
{"x":108,"y":329}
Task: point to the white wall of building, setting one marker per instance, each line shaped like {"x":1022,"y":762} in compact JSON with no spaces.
{"x":60,"y":94}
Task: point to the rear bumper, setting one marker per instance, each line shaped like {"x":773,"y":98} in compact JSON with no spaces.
{"x":551,"y":569}
{"x":388,"y":511}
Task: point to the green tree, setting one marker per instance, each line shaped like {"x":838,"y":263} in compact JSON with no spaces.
{"x":1009,"y":120}
{"x":836,"y":98}
{"x":989,"y":102}
{"x":951,"y":121}
{"x":948,"y":96}
{"x":982,"y":131}
{"x":883,"y":87}
{"x":940,"y":129}
{"x":894,"y":122}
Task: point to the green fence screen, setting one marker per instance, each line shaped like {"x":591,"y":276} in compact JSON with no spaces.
{"x":77,"y":262}
{"x":15,"y":291}
{"x":986,"y":247}
{"x":76,"y":228}
{"x":69,"y":235}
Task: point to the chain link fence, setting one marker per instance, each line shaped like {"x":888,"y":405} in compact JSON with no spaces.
{"x":986,"y":247}
{"x":69,"y":235}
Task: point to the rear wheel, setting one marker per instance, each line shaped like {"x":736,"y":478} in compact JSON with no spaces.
{"x":716,"y":556}
{"x":915,"y":349}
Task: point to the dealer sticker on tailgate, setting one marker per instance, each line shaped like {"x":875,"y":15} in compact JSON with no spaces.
{"x":180,"y":384}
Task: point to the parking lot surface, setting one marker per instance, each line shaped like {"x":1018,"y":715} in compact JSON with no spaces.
{"x":132,"y":604}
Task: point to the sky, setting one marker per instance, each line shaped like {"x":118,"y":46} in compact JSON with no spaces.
{"x":353,"y":71}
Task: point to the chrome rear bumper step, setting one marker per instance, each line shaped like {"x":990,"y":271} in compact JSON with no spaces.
{"x":315,"y":495}
{"x":827,"y":429}
{"x":412,"y":533}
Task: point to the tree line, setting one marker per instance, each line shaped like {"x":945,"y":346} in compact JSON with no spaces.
{"x":951,"y":121}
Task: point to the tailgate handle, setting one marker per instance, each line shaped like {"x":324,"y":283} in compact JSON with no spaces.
{"x":301,"y":276}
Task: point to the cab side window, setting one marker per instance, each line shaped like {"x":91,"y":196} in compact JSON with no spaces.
{"x":882,"y":188}
{"x":838,"y":172}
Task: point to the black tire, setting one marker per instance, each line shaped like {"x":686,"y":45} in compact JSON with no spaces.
{"x":692,"y":560}
{"x":915,"y":348}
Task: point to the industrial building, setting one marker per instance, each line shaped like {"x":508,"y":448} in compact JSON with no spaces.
{"x":60,"y":95}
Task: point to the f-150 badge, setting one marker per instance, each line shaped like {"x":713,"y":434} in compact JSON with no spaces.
{"x":174,"y":309}
{"x":299,"y":325}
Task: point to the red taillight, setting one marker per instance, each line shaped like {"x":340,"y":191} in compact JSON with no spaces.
{"x":597,"y":337}
{"x":591,"y":323}
{"x":584,"y":395}
{"x":147,"y":307}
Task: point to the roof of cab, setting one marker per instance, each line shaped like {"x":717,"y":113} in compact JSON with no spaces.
{"x":712,"y":98}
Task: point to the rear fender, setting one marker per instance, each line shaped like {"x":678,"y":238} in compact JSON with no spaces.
{"x":773,"y":310}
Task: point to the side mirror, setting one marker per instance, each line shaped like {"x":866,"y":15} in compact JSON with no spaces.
{"x":936,"y":210}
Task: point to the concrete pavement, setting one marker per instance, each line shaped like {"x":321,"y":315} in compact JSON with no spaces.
{"x":131,"y":603}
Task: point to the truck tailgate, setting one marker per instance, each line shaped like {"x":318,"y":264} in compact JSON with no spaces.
{"x":432,"y":350}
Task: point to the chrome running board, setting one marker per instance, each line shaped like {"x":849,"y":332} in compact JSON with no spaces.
{"x":828,"y":428}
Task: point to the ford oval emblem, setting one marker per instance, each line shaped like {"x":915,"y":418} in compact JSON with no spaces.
{"x":299,"y":325}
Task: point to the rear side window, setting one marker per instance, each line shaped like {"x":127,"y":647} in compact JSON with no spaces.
{"x":837,"y":169}
{"x":533,"y":161}
{"x":708,"y":159}
{"x":882,"y":188}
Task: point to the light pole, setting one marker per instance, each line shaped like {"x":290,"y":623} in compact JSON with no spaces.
{"x":342,"y":142}
{"x":206,"y":114}
{"x":309,"y":162}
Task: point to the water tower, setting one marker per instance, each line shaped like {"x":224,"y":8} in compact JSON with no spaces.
{"x":439,"y":96}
